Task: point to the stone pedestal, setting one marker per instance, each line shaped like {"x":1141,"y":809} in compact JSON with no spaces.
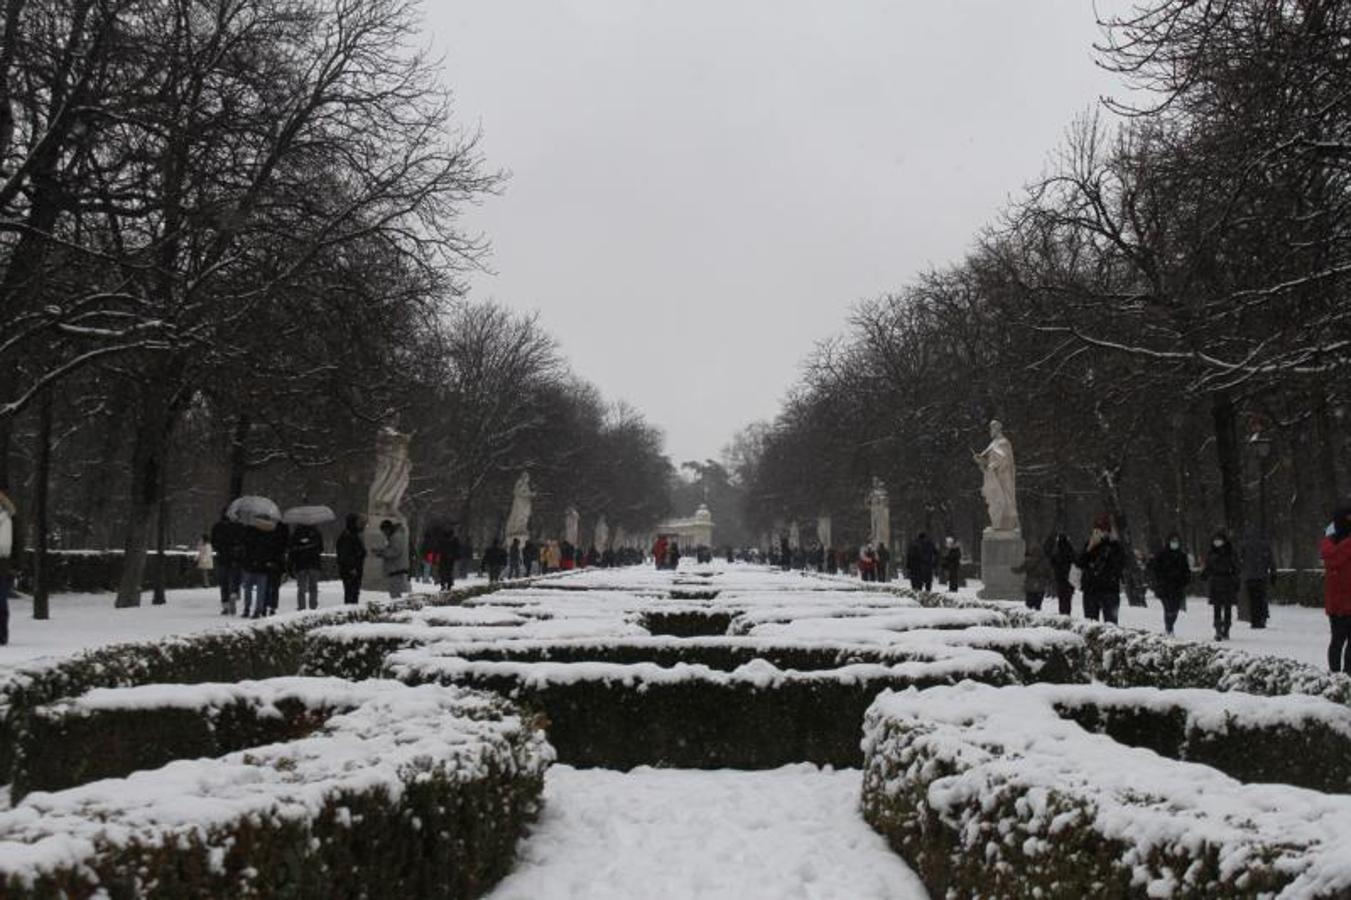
{"x":1000,"y":551}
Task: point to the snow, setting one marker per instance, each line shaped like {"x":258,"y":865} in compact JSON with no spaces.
{"x":671,"y":834}
{"x":82,"y":622}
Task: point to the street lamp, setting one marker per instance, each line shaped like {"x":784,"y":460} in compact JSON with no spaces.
{"x":1261,"y":446}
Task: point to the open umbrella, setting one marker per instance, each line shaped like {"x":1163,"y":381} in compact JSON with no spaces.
{"x":308,"y":515}
{"x":247,"y":508}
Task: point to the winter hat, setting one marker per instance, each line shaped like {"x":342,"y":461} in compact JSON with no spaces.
{"x":1341,"y":520}
{"x":1103,"y":521}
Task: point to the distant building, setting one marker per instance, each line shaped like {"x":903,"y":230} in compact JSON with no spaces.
{"x":696,"y":531}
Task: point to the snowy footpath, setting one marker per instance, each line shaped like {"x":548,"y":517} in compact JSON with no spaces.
{"x":787,"y":834}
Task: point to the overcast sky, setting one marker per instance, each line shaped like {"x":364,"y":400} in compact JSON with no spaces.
{"x":700,"y":189}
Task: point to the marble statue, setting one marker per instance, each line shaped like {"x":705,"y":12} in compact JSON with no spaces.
{"x":794,"y":536}
{"x":998,"y":489}
{"x":571,"y":523}
{"x":392,"y":468}
{"x":602,"y":538}
{"x":518,"y":520}
{"x":823,"y":528}
{"x":879,"y":515}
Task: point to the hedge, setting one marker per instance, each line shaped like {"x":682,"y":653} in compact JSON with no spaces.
{"x":691,"y":716}
{"x":420,"y":792}
{"x":992,"y":792}
{"x":264,"y":649}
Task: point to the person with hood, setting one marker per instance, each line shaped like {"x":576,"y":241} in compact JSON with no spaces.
{"x":921,"y":560}
{"x":1259,"y":574}
{"x":394,"y":557}
{"x":1336,"y":553}
{"x":1172,"y":573}
{"x":1060,"y":552}
{"x":1102,"y":562}
{"x":351,"y":551}
{"x":11,"y":550}
{"x":1221,"y":574}
{"x":659,"y":552}
{"x":952,"y":563}
{"x":306,"y":560}
{"x":1037,"y":575}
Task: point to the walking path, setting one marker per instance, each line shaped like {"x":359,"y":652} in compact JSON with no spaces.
{"x":676,"y":834}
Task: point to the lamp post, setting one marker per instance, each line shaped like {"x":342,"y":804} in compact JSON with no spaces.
{"x":1261,"y":446}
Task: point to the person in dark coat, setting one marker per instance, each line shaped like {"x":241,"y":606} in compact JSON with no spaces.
{"x":514,"y":559}
{"x":1172,"y":573}
{"x":1102,"y":563}
{"x":529,"y":558}
{"x":921,"y":561}
{"x":447,"y":557}
{"x":351,"y":551}
{"x":227,"y":540}
{"x":254,"y":587}
{"x":785,"y":554}
{"x":1037,"y":575}
{"x":494,"y":560}
{"x":276,"y":540}
{"x":952,"y":563}
{"x":1060,"y":551}
{"x":306,"y":561}
{"x":1259,"y":574}
{"x":1335,"y":550}
{"x":1222,"y":575}
{"x":11,"y":552}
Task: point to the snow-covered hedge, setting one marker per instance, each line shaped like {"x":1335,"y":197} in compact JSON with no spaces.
{"x":263,"y":649}
{"x":1130,"y":657}
{"x":999,"y":792}
{"x":416,"y":792}
{"x":693,"y":716}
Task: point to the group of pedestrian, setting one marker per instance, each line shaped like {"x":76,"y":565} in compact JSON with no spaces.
{"x":666,"y":553}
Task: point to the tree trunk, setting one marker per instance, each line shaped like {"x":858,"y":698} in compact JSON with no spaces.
{"x":1304,"y":513}
{"x":1327,"y":456}
{"x":1230,"y":452}
{"x":239,"y":456}
{"x":41,"y":570}
{"x":1132,"y":574}
{"x":145,"y":476}
{"x":159,"y":598}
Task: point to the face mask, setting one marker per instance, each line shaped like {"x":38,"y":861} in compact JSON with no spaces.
{"x":1174,"y":545}
{"x":1217,"y":543}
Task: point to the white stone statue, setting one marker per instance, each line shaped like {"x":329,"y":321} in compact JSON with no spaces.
{"x":571,"y":524}
{"x":998,"y":489}
{"x":823,"y":528}
{"x":602,"y":537}
{"x":794,"y":536}
{"x":518,"y":520}
{"x":392,"y":468}
{"x":879,"y":514}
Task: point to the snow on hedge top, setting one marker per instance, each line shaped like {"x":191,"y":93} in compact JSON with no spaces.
{"x":312,"y":693}
{"x":868,"y":628}
{"x":392,"y":736}
{"x":997,"y":738}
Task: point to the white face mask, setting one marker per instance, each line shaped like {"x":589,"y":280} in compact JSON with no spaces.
{"x":1174,"y":545}
{"x":1217,"y":543}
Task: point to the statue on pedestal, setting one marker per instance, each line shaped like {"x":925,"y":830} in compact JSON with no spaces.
{"x":571,"y":525}
{"x":518,"y":520}
{"x":392,"y":468}
{"x":602,"y":538}
{"x":823,"y":529}
{"x":998,"y":489}
{"x":879,"y":514}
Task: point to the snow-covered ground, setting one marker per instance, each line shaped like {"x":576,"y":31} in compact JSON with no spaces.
{"x":1294,"y":632}
{"x":782,"y":834}
{"x":86,"y":621}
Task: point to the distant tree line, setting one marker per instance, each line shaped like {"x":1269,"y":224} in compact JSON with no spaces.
{"x":1161,"y":321}
{"x":230,"y":251}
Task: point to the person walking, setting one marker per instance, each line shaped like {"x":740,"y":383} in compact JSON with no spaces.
{"x":1221,"y":574}
{"x":205,"y":560}
{"x":11,"y":552}
{"x":254,"y":577}
{"x":514,"y":559}
{"x":1102,"y":563}
{"x":494,"y":559}
{"x":1259,"y":575}
{"x":351,"y":551}
{"x":448,"y":555}
{"x":1037,"y":575}
{"x":952,"y":563}
{"x":227,"y":542}
{"x":921,"y":561}
{"x":529,"y":558}
{"x":306,"y":561}
{"x":1336,"y":553}
{"x":1172,"y":573}
{"x":394,"y":557}
{"x":1060,"y":551}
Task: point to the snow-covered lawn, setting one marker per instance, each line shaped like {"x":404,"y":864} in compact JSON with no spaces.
{"x":781,"y":834}
{"x":86,"y":621}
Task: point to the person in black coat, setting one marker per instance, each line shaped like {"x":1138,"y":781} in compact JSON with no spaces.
{"x":494,"y":560}
{"x":952,"y":563}
{"x":276,"y":540}
{"x":1102,"y":562}
{"x":1060,"y":551}
{"x":921,"y":560}
{"x":448,"y":557}
{"x":351,"y":552}
{"x":1172,"y":572}
{"x":227,"y":541}
{"x":306,"y":561}
{"x":1222,"y":575}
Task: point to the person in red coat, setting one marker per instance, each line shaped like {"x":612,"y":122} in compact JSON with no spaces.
{"x":1336,"y":553}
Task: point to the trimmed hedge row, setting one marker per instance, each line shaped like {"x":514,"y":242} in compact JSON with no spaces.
{"x":758,"y":717}
{"x":423,"y":792}
{"x":1129,"y":657}
{"x":991,"y":792}
{"x":265,"y":649}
